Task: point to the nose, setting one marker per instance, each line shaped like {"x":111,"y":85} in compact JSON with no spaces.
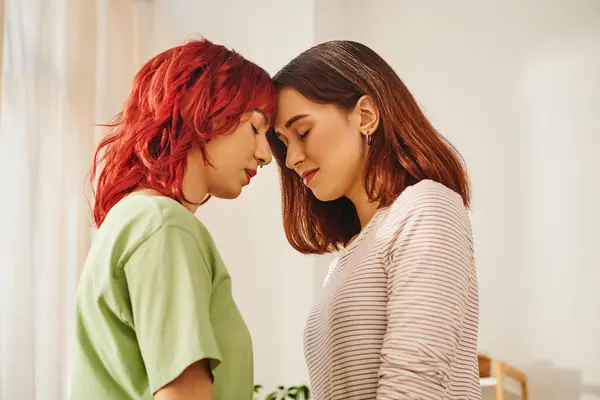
{"x":263,"y":153}
{"x":295,"y":155}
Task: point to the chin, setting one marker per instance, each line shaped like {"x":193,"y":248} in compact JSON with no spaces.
{"x":228,"y":194}
{"x":325,"y":196}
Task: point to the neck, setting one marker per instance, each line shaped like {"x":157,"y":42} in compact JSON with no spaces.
{"x":191,"y":207}
{"x":194,"y":193}
{"x":195,"y":188}
{"x":365,"y":209}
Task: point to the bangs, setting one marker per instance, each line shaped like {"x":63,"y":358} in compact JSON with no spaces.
{"x":260,"y":91}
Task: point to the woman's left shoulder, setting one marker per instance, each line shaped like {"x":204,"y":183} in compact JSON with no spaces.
{"x":427,"y":204}
{"x":429,"y":215}
{"x":428,"y":193}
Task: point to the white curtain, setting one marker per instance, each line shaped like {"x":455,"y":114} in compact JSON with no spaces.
{"x":66,"y":66}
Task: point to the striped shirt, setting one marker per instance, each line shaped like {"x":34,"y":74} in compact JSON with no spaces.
{"x":398,"y":315}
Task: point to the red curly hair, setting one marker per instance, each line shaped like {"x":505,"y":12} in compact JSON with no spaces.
{"x":182,"y":97}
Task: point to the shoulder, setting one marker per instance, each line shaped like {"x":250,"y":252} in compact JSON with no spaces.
{"x":427,"y":197}
{"x":427,"y":206}
{"x":427,"y":194}
{"x":139,"y":217}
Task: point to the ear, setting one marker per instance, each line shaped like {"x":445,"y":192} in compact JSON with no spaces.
{"x":368,"y":115}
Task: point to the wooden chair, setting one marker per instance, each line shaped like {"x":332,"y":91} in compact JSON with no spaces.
{"x":502,"y":370}
{"x":495,"y":372}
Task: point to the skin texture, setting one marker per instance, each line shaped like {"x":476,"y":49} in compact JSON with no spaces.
{"x":331,"y":141}
{"x":195,"y":383}
{"x":231,"y":154}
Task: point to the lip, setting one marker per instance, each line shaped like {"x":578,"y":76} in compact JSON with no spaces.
{"x":250,"y":173}
{"x":307,"y":176}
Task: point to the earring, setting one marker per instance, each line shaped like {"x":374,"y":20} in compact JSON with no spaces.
{"x":368,"y":138}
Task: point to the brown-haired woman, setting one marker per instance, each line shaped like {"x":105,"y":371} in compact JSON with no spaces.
{"x":363,"y":171}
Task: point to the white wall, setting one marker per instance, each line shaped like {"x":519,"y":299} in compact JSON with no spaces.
{"x":516,"y":87}
{"x":273,"y":285}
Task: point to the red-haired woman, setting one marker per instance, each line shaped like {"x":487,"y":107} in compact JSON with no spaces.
{"x":155,"y":314}
{"x":363,"y":171}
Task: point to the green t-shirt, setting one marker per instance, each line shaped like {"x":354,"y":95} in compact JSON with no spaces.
{"x":153,"y":298}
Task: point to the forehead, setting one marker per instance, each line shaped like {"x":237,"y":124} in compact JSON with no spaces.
{"x":260,"y":114}
{"x":291,"y":103}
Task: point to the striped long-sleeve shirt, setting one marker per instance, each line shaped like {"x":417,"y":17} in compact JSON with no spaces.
{"x":398,"y":314}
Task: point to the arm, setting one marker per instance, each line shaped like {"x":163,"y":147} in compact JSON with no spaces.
{"x":170,"y":288}
{"x":195,"y":383}
{"x":430,"y":270}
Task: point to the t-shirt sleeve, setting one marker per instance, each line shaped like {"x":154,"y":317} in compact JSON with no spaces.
{"x":170,"y":284}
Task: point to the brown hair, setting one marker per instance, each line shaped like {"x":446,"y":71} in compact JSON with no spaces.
{"x":405,"y":148}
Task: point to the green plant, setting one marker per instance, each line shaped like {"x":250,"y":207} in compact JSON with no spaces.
{"x":301,"y":392}
{"x":257,"y":388}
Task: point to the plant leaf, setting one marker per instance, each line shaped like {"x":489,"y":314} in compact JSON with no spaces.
{"x":271,"y":396}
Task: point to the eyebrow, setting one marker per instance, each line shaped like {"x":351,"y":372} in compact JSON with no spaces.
{"x":295,"y":118}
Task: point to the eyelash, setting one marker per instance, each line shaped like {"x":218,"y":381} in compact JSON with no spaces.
{"x":304,"y":134}
{"x":278,"y":136}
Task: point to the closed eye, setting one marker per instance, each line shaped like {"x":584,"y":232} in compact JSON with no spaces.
{"x":280,"y":137}
{"x":302,"y":136}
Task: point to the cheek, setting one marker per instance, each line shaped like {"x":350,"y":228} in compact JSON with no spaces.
{"x":243,"y":147}
{"x":231,"y":152}
{"x":340,"y":149}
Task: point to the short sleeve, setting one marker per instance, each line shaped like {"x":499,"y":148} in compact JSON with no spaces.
{"x":170,"y":285}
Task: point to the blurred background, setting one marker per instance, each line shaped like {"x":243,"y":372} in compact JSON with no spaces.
{"x":515,"y":85}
